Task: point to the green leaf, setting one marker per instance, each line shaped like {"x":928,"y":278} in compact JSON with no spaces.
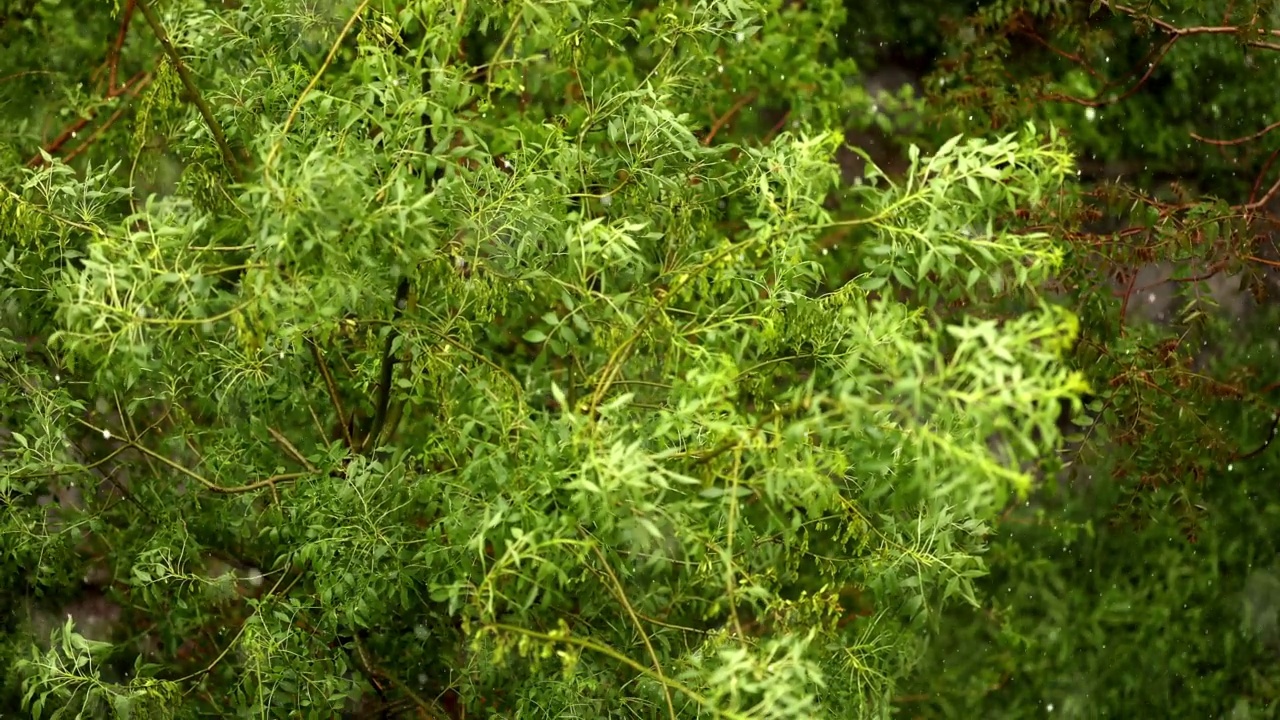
{"x":926,"y":263}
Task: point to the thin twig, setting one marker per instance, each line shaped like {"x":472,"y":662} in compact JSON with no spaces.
{"x":607,"y":651}
{"x":1266,"y":198}
{"x":241,"y":630}
{"x":777,"y":128}
{"x":332,"y":388}
{"x":1151,"y":68}
{"x":778,"y":413}
{"x":1271,"y":436}
{"x":1262,"y":174}
{"x":644,"y":636}
{"x":208,"y":484}
{"x":1212,"y":271}
{"x":289,"y":448}
{"x":731,"y":584}
{"x":98,"y":131}
{"x":1239,"y":140}
{"x":1263,"y":261}
{"x":297,"y":105}
{"x":721,"y":121}
{"x":1084,"y":64}
{"x":319,"y":425}
{"x":1175,"y":30}
{"x":113,"y":58}
{"x":68,"y":133}
{"x":1175,"y":34}
{"x":370,"y":667}
{"x":620,"y":355}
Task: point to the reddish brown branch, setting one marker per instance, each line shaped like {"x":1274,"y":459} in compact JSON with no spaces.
{"x":98,"y":131}
{"x":24,"y":73}
{"x":1212,"y":271}
{"x":1124,"y":303}
{"x":1084,"y":64}
{"x":1262,"y":201}
{"x":1257,"y":182}
{"x":777,"y":128}
{"x":1175,"y":34}
{"x":189,"y":83}
{"x":1239,"y":140}
{"x":113,"y":59}
{"x":1175,"y":30}
{"x":1151,"y":68}
{"x":724,"y":119}
{"x":1264,"y":261}
{"x":70,"y":132}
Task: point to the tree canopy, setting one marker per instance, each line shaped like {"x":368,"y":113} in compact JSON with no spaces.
{"x":474,"y":359}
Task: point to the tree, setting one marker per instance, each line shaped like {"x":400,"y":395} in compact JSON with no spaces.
{"x":487,"y":359}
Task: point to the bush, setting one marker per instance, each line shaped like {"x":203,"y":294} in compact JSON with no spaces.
{"x":479,"y":363}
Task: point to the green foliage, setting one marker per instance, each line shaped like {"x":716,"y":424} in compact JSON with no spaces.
{"x":1134,"y":84}
{"x":1124,"y":618}
{"x":1144,"y":586}
{"x":527,"y":361}
{"x":510,"y":376}
{"x":67,"y":678}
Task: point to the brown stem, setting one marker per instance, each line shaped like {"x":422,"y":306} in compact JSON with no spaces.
{"x":1175,"y":34}
{"x":131,"y":87}
{"x":289,"y":448}
{"x":724,"y":119}
{"x":114,"y":58}
{"x":1262,"y":174}
{"x":1151,"y":68}
{"x":183,"y":469}
{"x":98,"y":132}
{"x":370,"y":667}
{"x":1239,"y":140}
{"x":332,"y":388}
{"x":383,"y":399}
{"x":777,"y":128}
{"x":1262,"y":201}
{"x":190,"y":84}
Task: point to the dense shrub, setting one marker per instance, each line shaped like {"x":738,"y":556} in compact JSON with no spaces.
{"x":533,"y":360}
{"x":483,"y":359}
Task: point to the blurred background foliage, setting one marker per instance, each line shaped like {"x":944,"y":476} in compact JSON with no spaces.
{"x":1146,"y":585}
